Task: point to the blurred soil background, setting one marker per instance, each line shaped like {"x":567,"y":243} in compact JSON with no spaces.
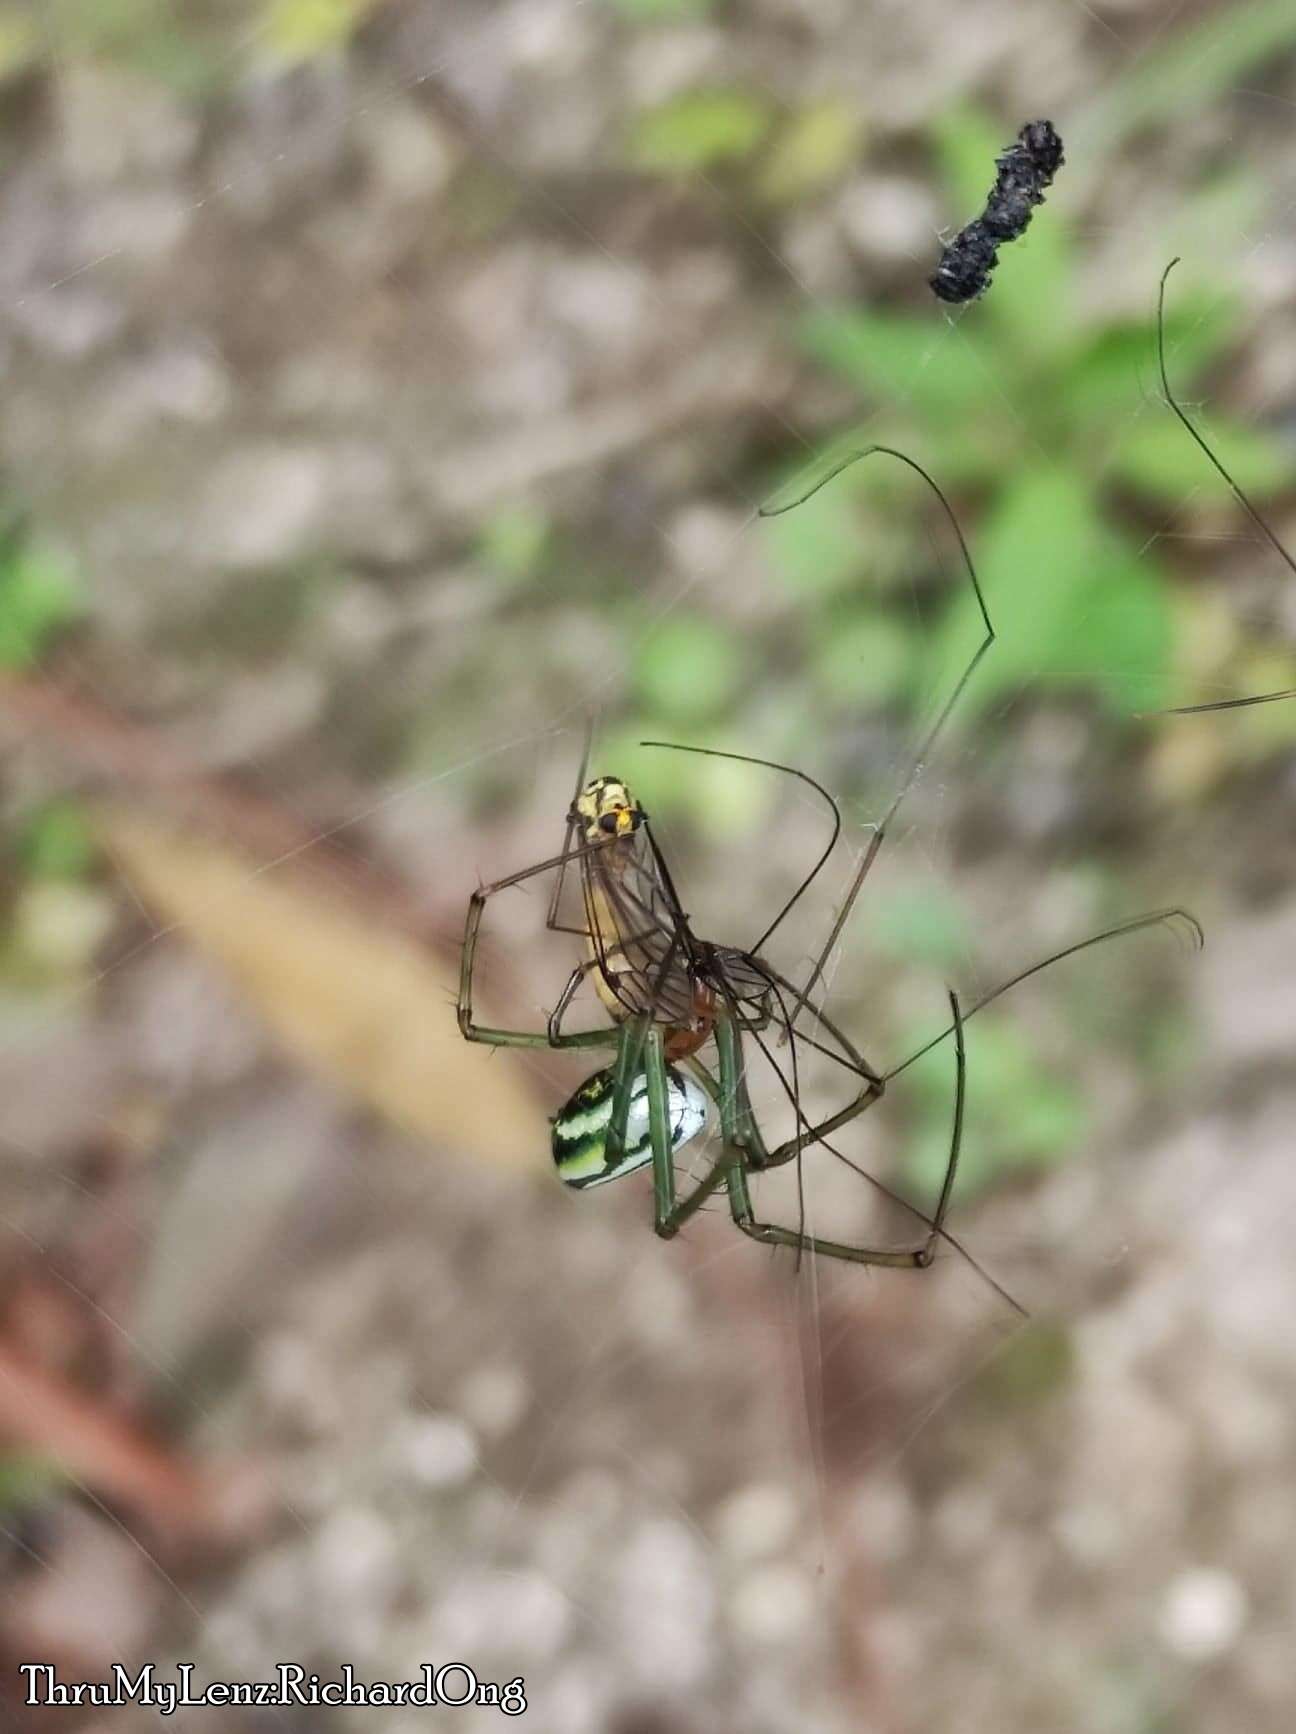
{"x":389,"y":386}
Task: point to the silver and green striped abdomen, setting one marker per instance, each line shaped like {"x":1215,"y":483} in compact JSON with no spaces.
{"x":580,"y":1127}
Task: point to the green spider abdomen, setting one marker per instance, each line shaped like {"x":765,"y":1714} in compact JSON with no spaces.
{"x":580,"y":1127}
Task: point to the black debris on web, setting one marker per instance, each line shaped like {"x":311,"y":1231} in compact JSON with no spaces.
{"x":1024,"y":171}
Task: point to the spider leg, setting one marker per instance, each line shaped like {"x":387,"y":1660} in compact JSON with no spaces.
{"x":1238,"y":494}
{"x":816,"y":1135}
{"x":575,"y":979}
{"x":499,"y":1038}
{"x":849,"y":1055}
{"x":790,"y":771}
{"x":1157,"y":918}
{"x":551,"y":920}
{"x":568,"y":994}
{"x":640,"y":1037}
{"x":942,"y":716}
{"x":1221,"y":704}
{"x":896,"y":1258}
{"x":632,"y":1043}
{"x":805,"y":1133}
{"x":671,"y":1214}
{"x":737,"y":1118}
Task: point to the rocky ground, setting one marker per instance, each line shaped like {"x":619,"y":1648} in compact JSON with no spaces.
{"x":287,"y":353}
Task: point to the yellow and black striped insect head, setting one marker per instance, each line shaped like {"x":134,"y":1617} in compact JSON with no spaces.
{"x":606,"y":808}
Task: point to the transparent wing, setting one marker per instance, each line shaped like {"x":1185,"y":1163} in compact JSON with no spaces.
{"x":637,"y":931}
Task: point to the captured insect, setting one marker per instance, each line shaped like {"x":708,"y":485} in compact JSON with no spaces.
{"x":1023,"y":173}
{"x":671,"y":995}
{"x":1238,"y":494}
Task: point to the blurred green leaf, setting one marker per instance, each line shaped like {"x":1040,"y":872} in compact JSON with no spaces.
{"x":815,"y":148}
{"x":1030,"y":297}
{"x":21,"y":43}
{"x":150,"y":36}
{"x":1254,"y":731}
{"x":1123,"y":632}
{"x":1020,"y":1115}
{"x":513,"y":541}
{"x":863,"y":658}
{"x":1117,"y":366}
{"x":920,"y":925}
{"x":1196,"y":66}
{"x":650,"y":10}
{"x":40,"y":594}
{"x":725,"y":800}
{"x":1033,"y":1365}
{"x":729,"y":801}
{"x":968,"y":144}
{"x":105,"y":26}
{"x":482,"y":201}
{"x":1218,"y":223}
{"x":1069,"y":600}
{"x":701,"y":129}
{"x":909,"y":360}
{"x":1200,"y":326}
{"x":1160,"y":459}
{"x":816,"y":545}
{"x":1112,"y":370}
{"x":56,"y":929}
{"x":26,"y":1480}
{"x":1072,"y":599}
{"x":57,"y":842}
{"x":1036,"y":553}
{"x":661,"y":780}
{"x":298,"y":30}
{"x":688,"y":668}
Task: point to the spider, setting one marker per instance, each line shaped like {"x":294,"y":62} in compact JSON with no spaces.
{"x":1238,"y":494}
{"x":670,"y":993}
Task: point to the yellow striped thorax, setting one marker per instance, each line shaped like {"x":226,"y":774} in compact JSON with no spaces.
{"x":606,"y":808}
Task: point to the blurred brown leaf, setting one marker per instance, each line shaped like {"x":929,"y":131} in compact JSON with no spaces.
{"x":346,"y":993}
{"x":93,"y":1445}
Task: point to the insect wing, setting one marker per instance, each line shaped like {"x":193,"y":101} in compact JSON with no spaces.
{"x":638,"y":933}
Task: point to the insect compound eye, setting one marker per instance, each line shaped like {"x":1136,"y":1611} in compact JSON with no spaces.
{"x":608,"y":823}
